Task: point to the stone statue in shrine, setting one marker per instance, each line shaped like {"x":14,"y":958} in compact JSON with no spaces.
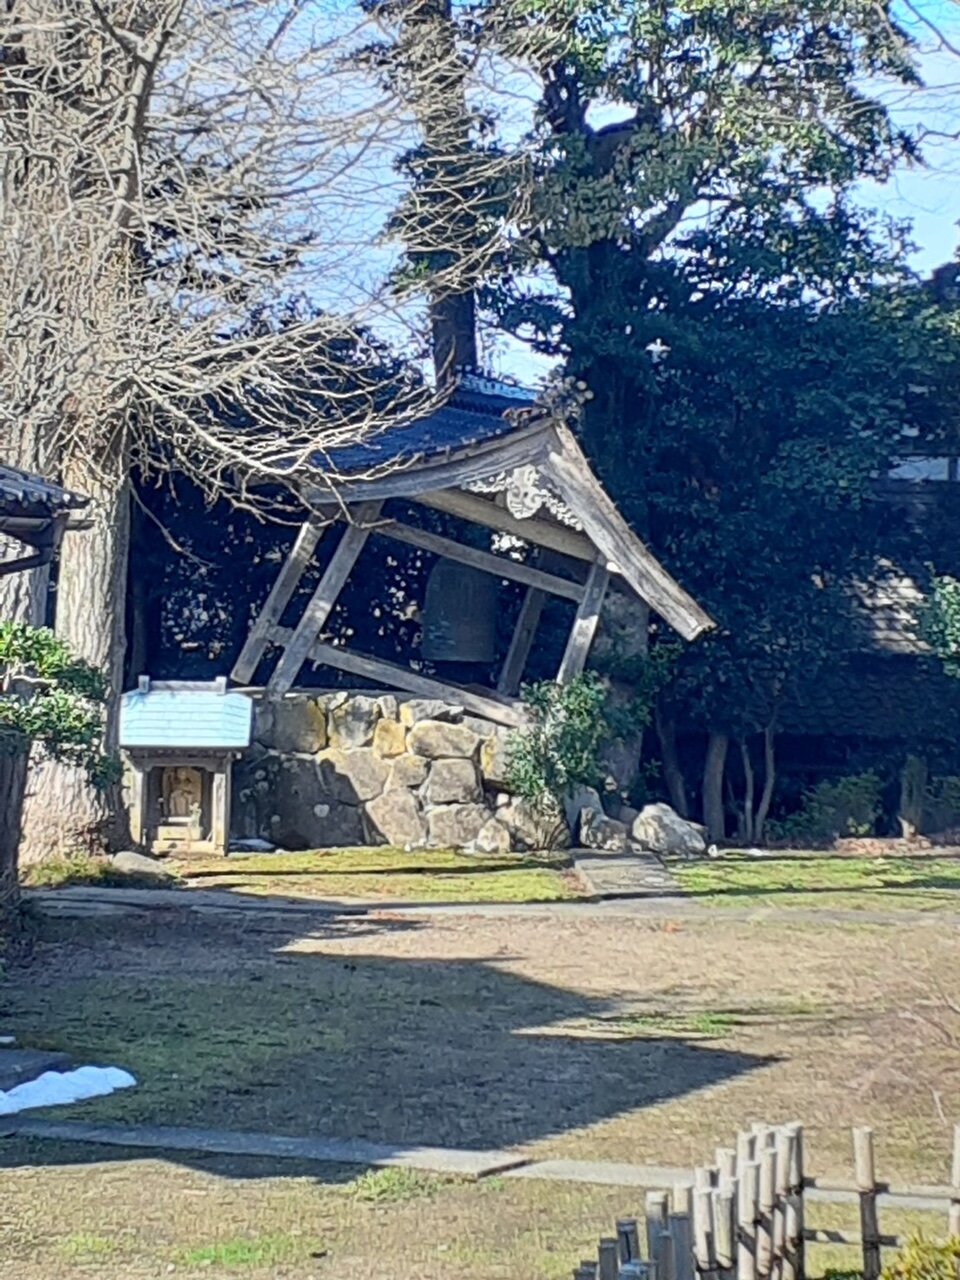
{"x":182,"y":794}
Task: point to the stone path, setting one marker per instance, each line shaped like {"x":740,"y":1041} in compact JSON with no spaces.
{"x":625,"y":875}
{"x":438,"y":1160}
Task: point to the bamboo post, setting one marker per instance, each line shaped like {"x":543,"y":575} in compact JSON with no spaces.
{"x":628,"y":1239}
{"x":608,"y":1258}
{"x":747,"y":1221}
{"x":681,"y":1230}
{"x":795,"y":1207}
{"x":657,"y":1213}
{"x":725,"y":1230}
{"x":782,"y":1267}
{"x":954,"y":1220}
{"x":703,"y":1233}
{"x":768,"y":1178}
{"x":867,"y":1188}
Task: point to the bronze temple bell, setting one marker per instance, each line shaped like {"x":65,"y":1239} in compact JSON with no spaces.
{"x":459,"y":614}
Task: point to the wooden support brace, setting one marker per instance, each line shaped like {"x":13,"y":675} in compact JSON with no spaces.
{"x":261,"y":633}
{"x":584,"y":624}
{"x":323,"y":599}
{"x":522,"y":641}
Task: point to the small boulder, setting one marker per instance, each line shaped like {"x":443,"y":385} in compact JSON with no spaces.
{"x":455,"y":826}
{"x":607,"y":835}
{"x":396,"y":818}
{"x":493,"y":837}
{"x":530,"y":828}
{"x":581,"y":798}
{"x":662,"y":831}
{"x":352,"y":724}
{"x":452,"y":781}
{"x":416,"y":709}
{"x":437,"y":739}
{"x":495,"y":757}
{"x":139,"y":864}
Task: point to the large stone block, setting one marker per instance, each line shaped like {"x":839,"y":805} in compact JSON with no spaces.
{"x":495,"y":757}
{"x":396,"y":818}
{"x":437,"y":739}
{"x":416,"y":709}
{"x":660,"y":829}
{"x":352,"y":777}
{"x":493,"y":837}
{"x":452,"y":781}
{"x":352,"y":724}
{"x":455,"y":826}
{"x":389,"y":738}
{"x":307,"y":812}
{"x":407,"y":771}
{"x":299,"y":725}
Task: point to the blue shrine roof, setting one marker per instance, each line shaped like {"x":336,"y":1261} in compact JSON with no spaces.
{"x":473,"y":415}
{"x":199,"y":718}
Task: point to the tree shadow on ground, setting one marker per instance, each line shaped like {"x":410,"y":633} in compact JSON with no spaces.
{"x":268,"y":1028}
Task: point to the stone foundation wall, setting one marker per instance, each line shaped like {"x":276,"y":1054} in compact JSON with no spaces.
{"x":332,"y":769}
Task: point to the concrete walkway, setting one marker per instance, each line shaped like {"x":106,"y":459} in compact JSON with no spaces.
{"x":79,"y":900}
{"x":625,"y":875}
{"x":444,"y":1161}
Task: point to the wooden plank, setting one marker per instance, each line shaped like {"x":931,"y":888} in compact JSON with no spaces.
{"x":323,"y":599}
{"x":470,"y":506}
{"x":584,"y":625}
{"x":865,"y":1170}
{"x":300,"y":555}
{"x":953,"y":1220}
{"x":499,"y":566}
{"x":220,"y":806}
{"x":524,"y":446}
{"x":501,"y":711}
{"x":521,"y":641}
{"x":569,"y":470}
{"x":137,"y":804}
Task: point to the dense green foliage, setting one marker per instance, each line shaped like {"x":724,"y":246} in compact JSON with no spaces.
{"x":50,"y":699}
{"x":844,"y":807}
{"x":941,"y":622}
{"x":561,"y":748}
{"x":922,"y":1259}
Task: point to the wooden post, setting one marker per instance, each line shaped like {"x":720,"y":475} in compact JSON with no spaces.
{"x":795,"y":1214}
{"x":746,"y":1150}
{"x":703,"y":1233}
{"x":954,"y":1220}
{"x":724,"y":1202}
{"x":628,"y":1239}
{"x":522,"y":641}
{"x":867,"y":1188}
{"x":768,"y":1180}
{"x":608,"y":1258}
{"x":726,"y":1158}
{"x":324,"y":598}
{"x":220,"y":809}
{"x":747,"y":1201}
{"x":280,"y":595}
{"x":781,"y":1191}
{"x":681,"y":1230}
{"x":584,"y":624}
{"x":657,"y":1212}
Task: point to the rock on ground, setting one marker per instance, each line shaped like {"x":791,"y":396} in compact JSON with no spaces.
{"x":658,"y":828}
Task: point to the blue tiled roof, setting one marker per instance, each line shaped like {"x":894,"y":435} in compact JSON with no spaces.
{"x":469,"y":418}
{"x":198,"y":719}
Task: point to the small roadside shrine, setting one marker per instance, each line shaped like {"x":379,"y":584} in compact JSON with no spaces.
{"x":179,"y":741}
{"x":490,"y":456}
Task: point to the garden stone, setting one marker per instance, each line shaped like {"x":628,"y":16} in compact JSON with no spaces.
{"x":389,"y":738}
{"x":452,"y":782}
{"x":531,"y":829}
{"x":659,"y":829}
{"x":353,"y":723}
{"x":417,"y":709}
{"x":493,"y":837}
{"x":437,"y":739}
{"x":407,"y":771}
{"x":597,"y":831}
{"x":396,"y":817}
{"x":455,"y":826}
{"x":299,"y":725}
{"x":352,"y":777}
{"x":139,"y":864}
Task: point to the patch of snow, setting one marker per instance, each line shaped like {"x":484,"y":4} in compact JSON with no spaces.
{"x":59,"y":1088}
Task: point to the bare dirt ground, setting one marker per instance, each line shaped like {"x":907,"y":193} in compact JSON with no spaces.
{"x":592,"y":1038}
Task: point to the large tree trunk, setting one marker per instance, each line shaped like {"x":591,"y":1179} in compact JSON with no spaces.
{"x":13,"y":773}
{"x":63,"y":812}
{"x":713,"y":771}
{"x":669,"y":758}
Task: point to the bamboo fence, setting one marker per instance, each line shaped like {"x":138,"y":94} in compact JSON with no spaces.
{"x":744,"y":1216}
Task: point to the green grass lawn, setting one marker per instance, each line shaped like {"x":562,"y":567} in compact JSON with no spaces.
{"x":920,"y":883}
{"x":439,"y":875}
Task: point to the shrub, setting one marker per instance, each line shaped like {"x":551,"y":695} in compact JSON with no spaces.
{"x":922,"y":1259}
{"x":561,"y":748}
{"x":941,"y":804}
{"x":846,"y":807}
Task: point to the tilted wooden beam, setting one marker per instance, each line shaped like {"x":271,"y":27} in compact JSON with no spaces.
{"x":394,"y":676}
{"x":521,"y":642}
{"x":294,"y":567}
{"x":469,"y":506}
{"x":584,"y":625}
{"x":569,"y":470}
{"x":323,"y":599}
{"x":499,"y":566}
